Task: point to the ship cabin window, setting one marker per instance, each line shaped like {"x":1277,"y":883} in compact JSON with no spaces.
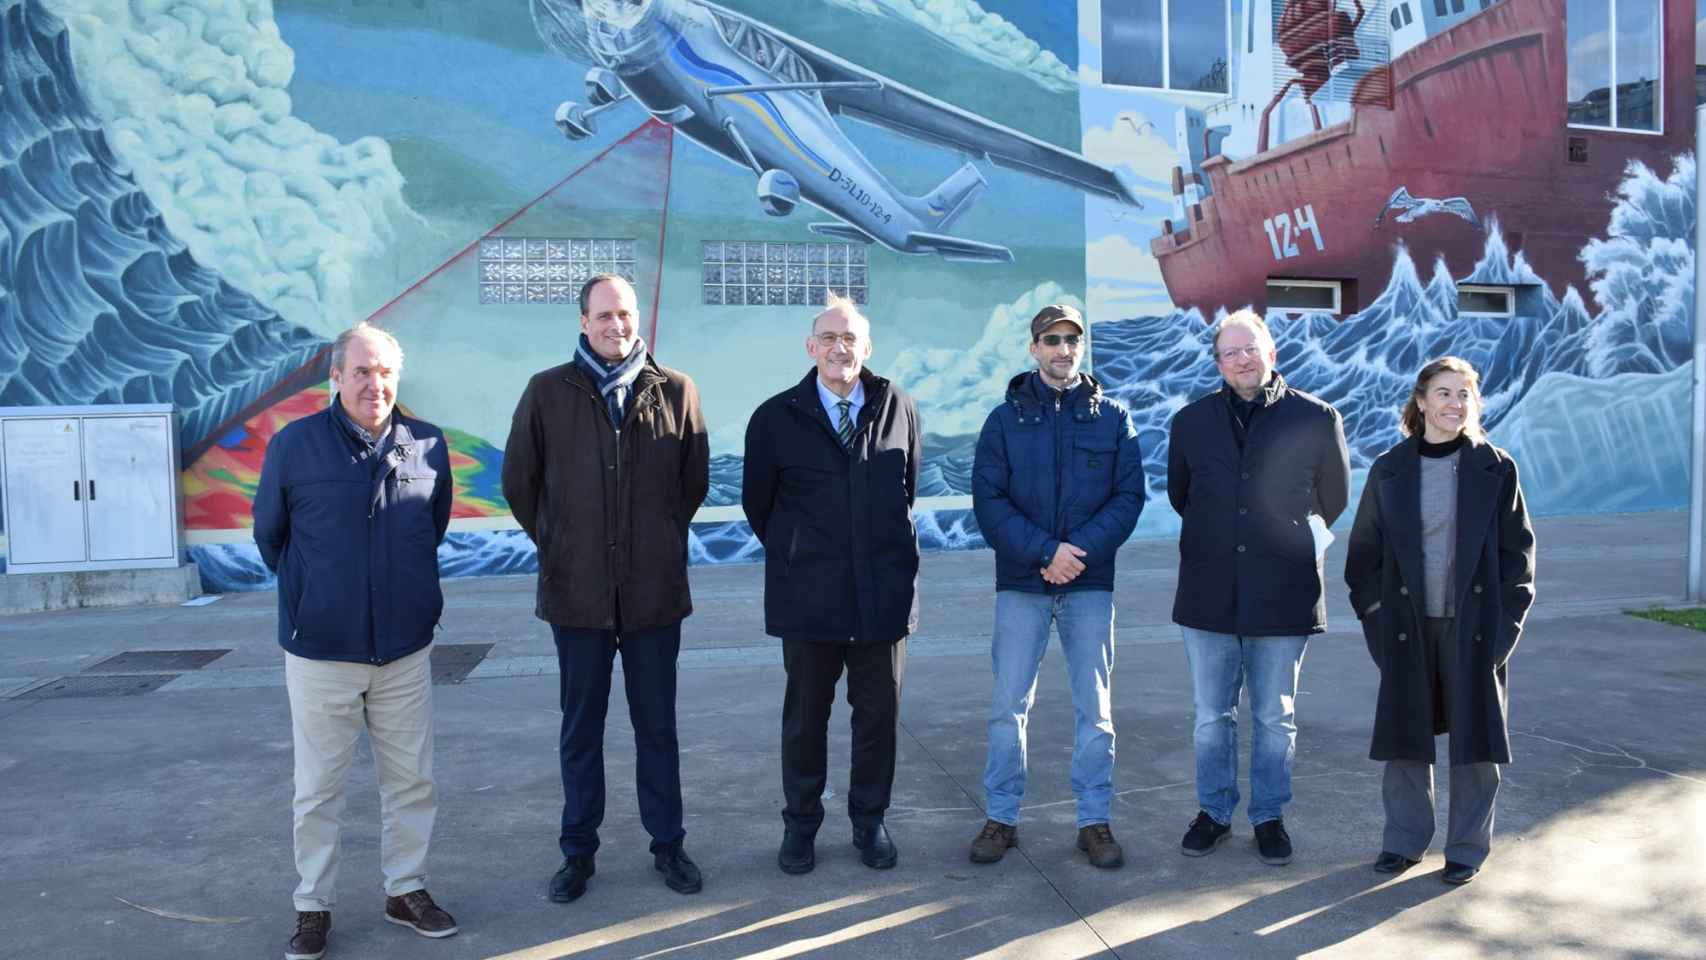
{"x":1439,"y":8}
{"x":1401,"y":16}
{"x":1456,"y":6}
{"x":1616,"y":58}
{"x":1178,"y":45}
{"x":1485,"y":301}
{"x":1305,"y":296}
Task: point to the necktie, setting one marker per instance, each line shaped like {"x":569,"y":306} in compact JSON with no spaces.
{"x":844,"y":428}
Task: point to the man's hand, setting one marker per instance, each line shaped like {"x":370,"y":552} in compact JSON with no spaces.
{"x":1067,"y":565}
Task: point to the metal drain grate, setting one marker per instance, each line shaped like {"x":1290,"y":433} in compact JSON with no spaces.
{"x":84,"y":685}
{"x":163,"y":661}
{"x":452,"y":662}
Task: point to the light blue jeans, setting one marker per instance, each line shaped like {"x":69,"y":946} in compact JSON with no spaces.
{"x":1222,"y":663}
{"x":1085,"y":622}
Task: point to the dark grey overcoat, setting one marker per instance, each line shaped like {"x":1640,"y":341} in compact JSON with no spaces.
{"x":1494,"y":586}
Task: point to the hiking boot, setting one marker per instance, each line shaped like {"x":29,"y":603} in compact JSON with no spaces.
{"x":309,"y":940}
{"x":1273,"y":844}
{"x":416,"y":911}
{"x":1097,"y":840}
{"x":993,"y":840}
{"x":1205,"y":834}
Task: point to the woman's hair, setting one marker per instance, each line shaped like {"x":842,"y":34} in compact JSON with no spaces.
{"x":1410,"y":420}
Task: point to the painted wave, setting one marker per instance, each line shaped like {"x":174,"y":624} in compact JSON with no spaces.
{"x":99,"y":301}
{"x":237,"y":567}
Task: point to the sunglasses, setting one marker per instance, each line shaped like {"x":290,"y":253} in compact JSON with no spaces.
{"x":1056,"y":339}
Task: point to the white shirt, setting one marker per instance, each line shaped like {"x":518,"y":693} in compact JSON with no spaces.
{"x":831,"y":403}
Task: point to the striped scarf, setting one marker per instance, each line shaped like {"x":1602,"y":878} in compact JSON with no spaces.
{"x":615,"y":381}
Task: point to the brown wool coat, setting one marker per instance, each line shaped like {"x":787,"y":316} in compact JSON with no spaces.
{"x":608,"y":514}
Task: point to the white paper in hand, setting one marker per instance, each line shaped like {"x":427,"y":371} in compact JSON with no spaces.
{"x":1323,"y":537}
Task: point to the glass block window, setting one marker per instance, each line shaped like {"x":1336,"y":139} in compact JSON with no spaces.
{"x":744,"y":273}
{"x":548,"y":270}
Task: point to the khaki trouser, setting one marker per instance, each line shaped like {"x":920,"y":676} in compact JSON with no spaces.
{"x":330,"y":703}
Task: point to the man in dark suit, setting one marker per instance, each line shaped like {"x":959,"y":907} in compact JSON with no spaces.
{"x":612,"y":543}
{"x":831,"y":474}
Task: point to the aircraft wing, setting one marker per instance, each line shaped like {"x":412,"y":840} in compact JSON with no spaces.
{"x":876,"y":99}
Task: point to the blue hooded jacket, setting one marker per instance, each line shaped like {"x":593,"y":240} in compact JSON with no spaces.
{"x":1056,"y":467}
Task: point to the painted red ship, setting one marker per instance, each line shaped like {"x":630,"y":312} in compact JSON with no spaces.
{"x":1478,"y":114}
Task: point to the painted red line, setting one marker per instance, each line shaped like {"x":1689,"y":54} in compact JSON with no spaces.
{"x":309,"y":373}
{"x":663,"y":228}
{"x":650,"y":121}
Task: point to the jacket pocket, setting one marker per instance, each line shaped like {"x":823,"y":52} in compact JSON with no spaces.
{"x":1093,"y":470}
{"x":1371,"y":635}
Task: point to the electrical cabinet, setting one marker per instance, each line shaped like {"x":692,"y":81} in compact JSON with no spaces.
{"x":89,"y":488}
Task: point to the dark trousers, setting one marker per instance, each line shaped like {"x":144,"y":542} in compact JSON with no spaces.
{"x":873,"y":691}
{"x":584,"y":661}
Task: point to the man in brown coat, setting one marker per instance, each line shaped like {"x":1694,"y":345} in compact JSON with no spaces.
{"x":606,"y":463}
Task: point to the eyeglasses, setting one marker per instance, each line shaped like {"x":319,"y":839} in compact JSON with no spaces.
{"x":1056,"y":339}
{"x":1238,"y":353}
{"x":848,"y":340}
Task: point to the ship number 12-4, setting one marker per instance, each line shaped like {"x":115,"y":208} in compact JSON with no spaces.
{"x":1284,"y":229}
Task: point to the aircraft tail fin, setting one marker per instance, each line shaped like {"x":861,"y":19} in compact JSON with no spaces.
{"x":942,"y":206}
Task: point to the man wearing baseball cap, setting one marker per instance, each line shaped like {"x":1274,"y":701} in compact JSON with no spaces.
{"x":1057,"y":487}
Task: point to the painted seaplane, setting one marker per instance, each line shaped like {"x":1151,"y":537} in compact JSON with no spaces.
{"x":765,"y":101}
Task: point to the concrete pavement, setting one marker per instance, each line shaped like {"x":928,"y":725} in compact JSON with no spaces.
{"x":157,"y":824}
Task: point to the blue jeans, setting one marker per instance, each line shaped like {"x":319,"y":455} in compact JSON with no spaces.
{"x":1085,"y":621}
{"x":1221,"y":663}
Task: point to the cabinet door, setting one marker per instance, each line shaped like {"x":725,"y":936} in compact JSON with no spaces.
{"x":44,"y":490}
{"x":128,"y":466}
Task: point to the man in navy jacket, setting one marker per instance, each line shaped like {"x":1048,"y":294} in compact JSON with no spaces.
{"x":351,"y":507}
{"x":1252,"y":469}
{"x":1057,"y":487}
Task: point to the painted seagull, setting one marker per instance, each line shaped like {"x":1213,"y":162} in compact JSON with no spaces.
{"x":1414,"y":208}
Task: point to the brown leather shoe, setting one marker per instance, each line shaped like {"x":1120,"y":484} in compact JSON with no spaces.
{"x":416,"y":911}
{"x":309,"y":940}
{"x":993,"y":840}
{"x":1097,"y":840}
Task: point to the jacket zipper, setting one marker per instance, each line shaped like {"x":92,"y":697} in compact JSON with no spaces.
{"x":1059,"y":477}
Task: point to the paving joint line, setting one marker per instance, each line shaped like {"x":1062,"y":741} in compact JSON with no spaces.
{"x":1033,"y":864}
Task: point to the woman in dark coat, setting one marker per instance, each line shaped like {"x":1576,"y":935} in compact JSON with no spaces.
{"x":1441,"y":570}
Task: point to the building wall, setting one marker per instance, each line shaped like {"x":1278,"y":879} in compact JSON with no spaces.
{"x":195,"y":198}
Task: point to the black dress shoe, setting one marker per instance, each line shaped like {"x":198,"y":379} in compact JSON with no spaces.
{"x":1389,"y":862}
{"x":798,"y":853}
{"x":570,"y":880}
{"x":679,"y":871}
{"x":876,"y":850}
{"x":1458,"y":874}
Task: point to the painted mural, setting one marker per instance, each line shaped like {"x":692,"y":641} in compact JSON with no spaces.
{"x":195,"y":197}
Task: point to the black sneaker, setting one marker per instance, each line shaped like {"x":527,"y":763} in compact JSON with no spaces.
{"x":1204,"y":835}
{"x":679,"y":871}
{"x":1273,"y":844}
{"x":309,"y":940}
